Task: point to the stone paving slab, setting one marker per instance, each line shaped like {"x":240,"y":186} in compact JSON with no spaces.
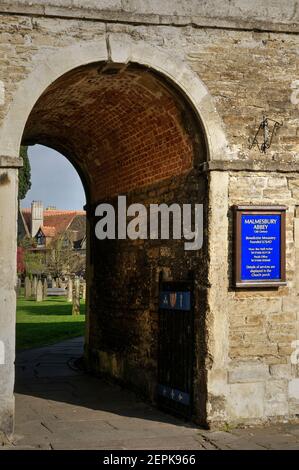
{"x":59,"y":407}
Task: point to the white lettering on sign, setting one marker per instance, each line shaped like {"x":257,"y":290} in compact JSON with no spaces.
{"x":2,"y":353}
{"x":2,"y":93}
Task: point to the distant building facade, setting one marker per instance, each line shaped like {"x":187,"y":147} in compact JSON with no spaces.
{"x":47,"y":225}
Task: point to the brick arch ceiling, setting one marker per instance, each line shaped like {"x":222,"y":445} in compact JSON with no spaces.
{"x":123,"y":128}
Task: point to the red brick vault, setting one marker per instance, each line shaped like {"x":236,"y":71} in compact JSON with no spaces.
{"x":124,"y":127}
{"x":129,"y":132}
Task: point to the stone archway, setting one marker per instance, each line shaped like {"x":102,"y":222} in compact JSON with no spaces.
{"x":120,"y":50}
{"x":180,"y":90}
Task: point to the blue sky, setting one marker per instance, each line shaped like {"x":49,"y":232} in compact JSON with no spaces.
{"x":54,"y":180}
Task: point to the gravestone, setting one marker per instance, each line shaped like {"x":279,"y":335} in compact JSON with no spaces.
{"x":39,"y":291}
{"x":27,"y":291}
{"x":19,"y":284}
{"x":34,"y":286}
{"x":76,"y":297}
{"x":70,"y":290}
{"x":45,"y":289}
{"x":54,"y":284}
{"x":84,"y":290}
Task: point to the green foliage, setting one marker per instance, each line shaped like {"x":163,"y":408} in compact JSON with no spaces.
{"x":62,"y":260}
{"x":24,"y":174}
{"x":27,"y":243}
{"x":35,"y":263}
{"x":47,"y":322}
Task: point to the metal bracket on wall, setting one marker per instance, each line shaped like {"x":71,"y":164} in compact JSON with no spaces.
{"x":265,"y":134}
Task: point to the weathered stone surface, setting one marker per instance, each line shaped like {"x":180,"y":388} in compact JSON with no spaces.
{"x":246,"y":400}
{"x":76,"y":297}
{"x":276,"y":391}
{"x":45,"y":289}
{"x":27,"y":288}
{"x":34,"y":286}
{"x":283,"y":371}
{"x":248,"y":373}
{"x":8,"y":248}
{"x":294,"y":389}
{"x":151,"y":145}
{"x":39,"y":291}
{"x":83,"y":288}
{"x":216,"y":13}
{"x":70,"y":290}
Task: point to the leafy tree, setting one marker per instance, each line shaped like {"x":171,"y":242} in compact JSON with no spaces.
{"x":28,"y":242}
{"x":61,"y":259}
{"x":34,"y":263}
{"x":24,"y":174}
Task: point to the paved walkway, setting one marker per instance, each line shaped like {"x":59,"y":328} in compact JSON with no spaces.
{"x":59,"y":407}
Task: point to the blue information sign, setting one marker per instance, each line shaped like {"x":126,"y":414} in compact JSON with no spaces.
{"x":260,"y":247}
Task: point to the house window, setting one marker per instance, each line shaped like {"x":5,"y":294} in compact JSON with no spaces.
{"x":40,"y":240}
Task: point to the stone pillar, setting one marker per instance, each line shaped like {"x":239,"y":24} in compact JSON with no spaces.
{"x":217,"y":316}
{"x":8,"y":249}
{"x":34,"y":286}
{"x":89,"y":280}
{"x":76,"y":297}
{"x":45,"y":289}
{"x":70,"y":290}
{"x":27,"y":289}
{"x":39,"y":291}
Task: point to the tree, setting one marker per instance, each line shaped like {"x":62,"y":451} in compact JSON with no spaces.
{"x":24,"y":174}
{"x":34,"y":263}
{"x":61,"y":259}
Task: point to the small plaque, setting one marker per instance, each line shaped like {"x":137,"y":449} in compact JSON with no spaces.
{"x":260,"y":246}
{"x":176,"y":300}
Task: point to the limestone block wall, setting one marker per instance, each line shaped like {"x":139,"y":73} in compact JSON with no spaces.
{"x":264,"y":324}
{"x":247,"y":73}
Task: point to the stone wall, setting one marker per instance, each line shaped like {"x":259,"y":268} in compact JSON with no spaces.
{"x":248,"y":73}
{"x":256,"y":14}
{"x":264,"y":323}
{"x":123,"y":340}
{"x":244,"y":339}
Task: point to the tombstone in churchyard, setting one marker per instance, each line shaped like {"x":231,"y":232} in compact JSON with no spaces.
{"x":39,"y":291}
{"x":34,"y":286}
{"x":76,"y":297}
{"x":19,"y":284}
{"x":84,"y":290}
{"x":70,"y":290}
{"x":45,"y":289}
{"x":27,"y":291}
{"x":54,"y":285}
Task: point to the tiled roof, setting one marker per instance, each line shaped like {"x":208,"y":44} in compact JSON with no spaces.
{"x":55,"y":221}
{"x":48,"y":231}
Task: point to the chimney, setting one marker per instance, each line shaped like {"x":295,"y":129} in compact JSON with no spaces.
{"x":37,"y":216}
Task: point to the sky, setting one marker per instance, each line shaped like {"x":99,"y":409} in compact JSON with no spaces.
{"x":54,"y":180}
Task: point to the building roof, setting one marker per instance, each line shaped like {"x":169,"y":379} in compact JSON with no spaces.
{"x":48,"y":231}
{"x":55,"y":222}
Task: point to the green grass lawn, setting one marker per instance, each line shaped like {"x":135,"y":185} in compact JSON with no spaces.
{"x":47,"y":322}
